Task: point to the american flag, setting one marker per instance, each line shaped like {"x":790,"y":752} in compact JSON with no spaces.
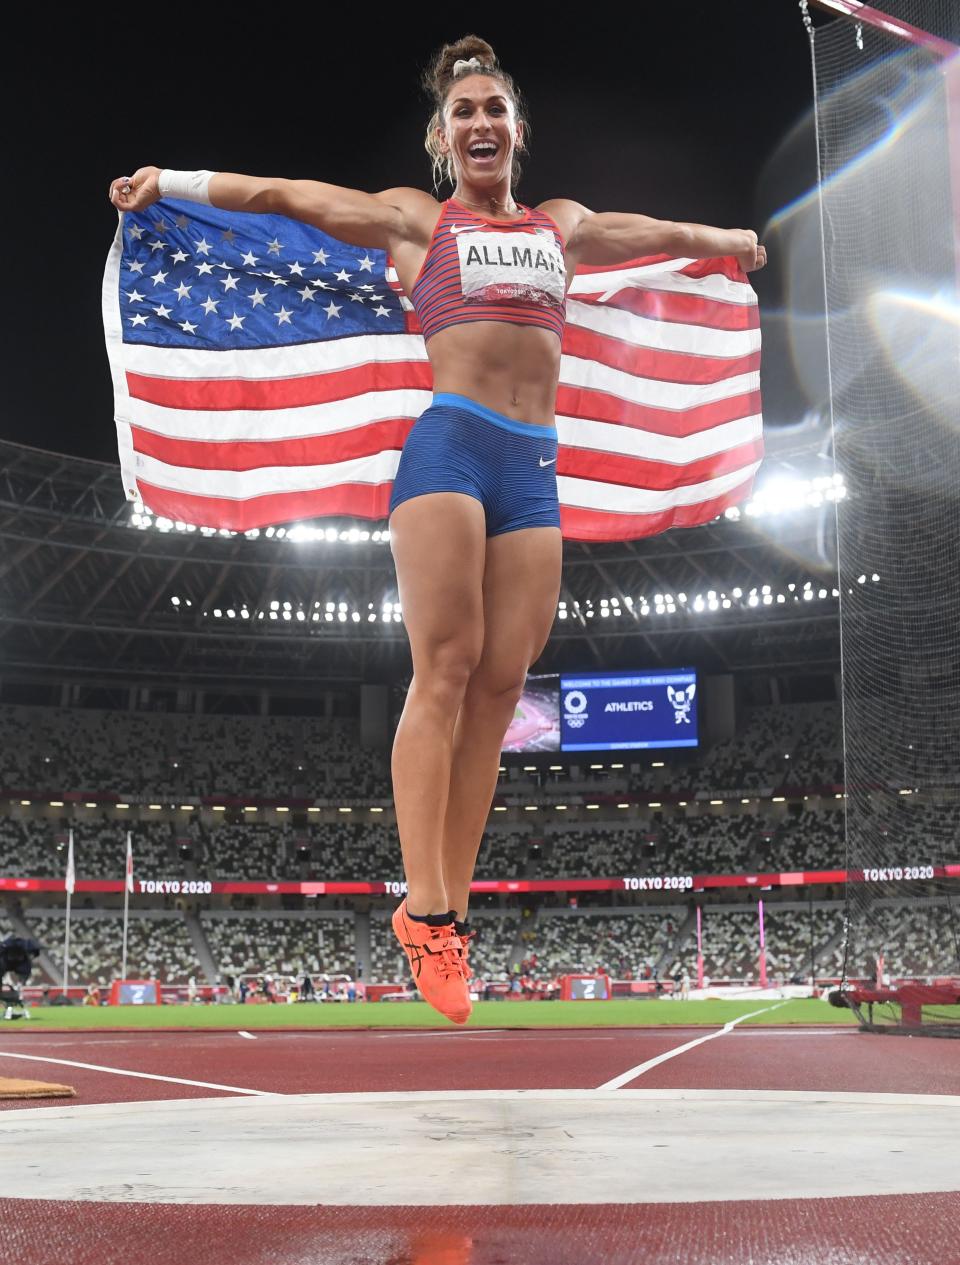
{"x":265,"y":373}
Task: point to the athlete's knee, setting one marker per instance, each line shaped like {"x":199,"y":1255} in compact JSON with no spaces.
{"x":497,"y":686}
{"x":446,"y":669}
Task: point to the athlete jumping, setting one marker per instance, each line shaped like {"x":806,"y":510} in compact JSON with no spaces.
{"x":474,"y":515}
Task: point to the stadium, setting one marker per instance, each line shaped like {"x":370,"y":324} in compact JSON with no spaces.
{"x":717,"y":904}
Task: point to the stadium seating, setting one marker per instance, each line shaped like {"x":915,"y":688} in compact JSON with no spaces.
{"x":614,"y":944}
{"x":158,"y":945}
{"x":252,"y":943}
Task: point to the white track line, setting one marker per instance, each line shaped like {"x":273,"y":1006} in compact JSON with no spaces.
{"x":443,"y":1032}
{"x":249,"y":1035}
{"x":147,"y":1076}
{"x":639,"y":1070}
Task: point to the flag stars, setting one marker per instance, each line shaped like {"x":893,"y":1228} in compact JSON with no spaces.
{"x":275,"y":246}
{"x":182,"y":221}
{"x":182,"y":292}
{"x":137,"y":232}
{"x":283,"y":316}
{"x":209,"y":304}
{"x":381,"y":311}
{"x":202,"y":247}
{"x":366,"y":264}
{"x":135,"y":296}
{"x":229,"y":235}
{"x":139,"y":319}
{"x":187,"y":327}
{"x":158,"y":277}
{"x":156,"y":245}
{"x":257,"y":298}
{"x":236,"y":322}
{"x":179,"y":257}
{"x":204,"y":268}
{"x":162,"y":311}
{"x":332,"y":310}
{"x":160,"y":227}
{"x":229,"y":282}
{"x":356,"y":298}
{"x":306,"y":294}
{"x":136,"y":265}
{"x":320,"y":257}
{"x":250,"y":259}
{"x":342,"y":275}
{"x":295,"y":267}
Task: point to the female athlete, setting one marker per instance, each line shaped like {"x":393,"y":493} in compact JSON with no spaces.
{"x":474,"y":522}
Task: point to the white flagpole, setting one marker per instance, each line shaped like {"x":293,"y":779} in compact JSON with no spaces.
{"x":70,"y":884}
{"x":127,"y":887}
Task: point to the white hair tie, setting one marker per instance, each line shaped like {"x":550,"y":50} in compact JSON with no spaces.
{"x":474,"y":63}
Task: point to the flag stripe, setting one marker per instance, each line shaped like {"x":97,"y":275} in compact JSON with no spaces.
{"x":680,"y":309}
{"x":592,"y":524}
{"x":217,"y":394}
{"x":380,"y":467}
{"x":642,"y":332}
{"x":674,"y":367}
{"x":370,"y":438}
{"x":628,"y":391}
{"x":354,"y":500}
{"x":583,"y":464}
{"x":311,"y":450}
{"x":600,"y":406}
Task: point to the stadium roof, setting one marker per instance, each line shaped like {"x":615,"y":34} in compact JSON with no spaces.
{"x":89,"y":589}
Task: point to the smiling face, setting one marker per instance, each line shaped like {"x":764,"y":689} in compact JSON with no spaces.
{"x":481,"y":131}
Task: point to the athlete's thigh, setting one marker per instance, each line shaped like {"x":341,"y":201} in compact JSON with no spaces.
{"x":439,"y":546}
{"x":521,"y":584}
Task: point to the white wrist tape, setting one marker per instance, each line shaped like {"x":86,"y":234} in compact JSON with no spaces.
{"x":191,"y":186}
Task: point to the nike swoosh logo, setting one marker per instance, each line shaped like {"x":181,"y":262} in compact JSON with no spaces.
{"x":463,"y":228}
{"x":547,"y":463}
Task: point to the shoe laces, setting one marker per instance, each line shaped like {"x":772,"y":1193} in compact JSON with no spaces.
{"x":445,"y":946}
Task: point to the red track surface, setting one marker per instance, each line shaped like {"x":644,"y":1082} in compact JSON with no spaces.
{"x":889,"y":1230}
{"x":920,"y":1230}
{"x":345,"y":1062}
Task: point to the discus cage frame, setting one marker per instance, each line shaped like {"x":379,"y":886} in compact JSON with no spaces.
{"x":909,"y":995}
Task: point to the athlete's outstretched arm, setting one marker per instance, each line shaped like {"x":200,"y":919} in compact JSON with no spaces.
{"x":613,"y":238}
{"x":377,"y":220}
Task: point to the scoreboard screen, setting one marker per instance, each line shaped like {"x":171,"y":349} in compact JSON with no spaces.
{"x":629,"y":711}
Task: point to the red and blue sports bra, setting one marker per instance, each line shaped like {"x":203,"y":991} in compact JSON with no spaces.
{"x":478,"y":269}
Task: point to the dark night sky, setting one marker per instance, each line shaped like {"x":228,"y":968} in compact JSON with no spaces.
{"x":679,"y":110}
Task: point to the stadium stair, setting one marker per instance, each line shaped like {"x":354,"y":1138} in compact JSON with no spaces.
{"x":670,"y":954}
{"x":361,"y":933}
{"x":201,"y":947}
{"x":520,"y":948}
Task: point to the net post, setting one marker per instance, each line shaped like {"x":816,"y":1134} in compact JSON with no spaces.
{"x":699,"y":946}
{"x":763,"y":947}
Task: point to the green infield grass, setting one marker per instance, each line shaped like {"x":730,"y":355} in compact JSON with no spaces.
{"x":489,"y":1014}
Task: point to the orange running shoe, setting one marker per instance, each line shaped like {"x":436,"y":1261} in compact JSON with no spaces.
{"x":435,"y":959}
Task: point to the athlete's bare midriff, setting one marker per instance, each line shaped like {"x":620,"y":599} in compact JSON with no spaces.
{"x":512,"y":369}
{"x":508,"y":368}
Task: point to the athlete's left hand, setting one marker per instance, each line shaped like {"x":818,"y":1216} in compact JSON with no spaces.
{"x":754,"y":257}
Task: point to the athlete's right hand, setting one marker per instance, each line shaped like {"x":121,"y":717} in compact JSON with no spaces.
{"x":136,"y":192}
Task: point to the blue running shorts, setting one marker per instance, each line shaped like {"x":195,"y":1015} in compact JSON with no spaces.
{"x":509,"y":467}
